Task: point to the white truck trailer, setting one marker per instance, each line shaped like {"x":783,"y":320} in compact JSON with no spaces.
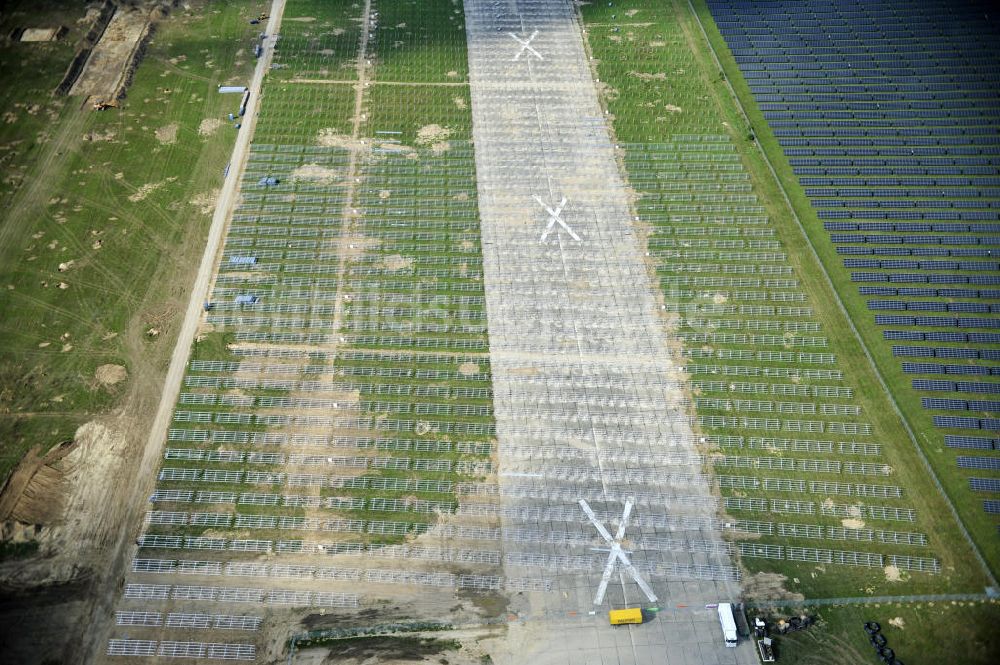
{"x":728,"y":624}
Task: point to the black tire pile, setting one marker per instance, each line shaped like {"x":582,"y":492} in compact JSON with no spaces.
{"x":880,"y":644}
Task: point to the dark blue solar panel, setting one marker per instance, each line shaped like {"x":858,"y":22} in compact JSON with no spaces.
{"x":939,"y":321}
{"x":975,"y":387}
{"x":869,"y":277}
{"x":992,"y":507}
{"x":970,"y":322}
{"x":944,"y":336}
{"x":989,"y":463}
{"x":892,"y":320}
{"x":924,"y":306}
{"x":969,"y":442}
{"x":878,"y":291}
{"x":949,"y":352}
{"x":984,"y":405}
{"x":923,"y":368}
{"x":903,"y":335}
{"x":947,"y":404}
{"x":984,"y":484}
{"x":958,"y":422}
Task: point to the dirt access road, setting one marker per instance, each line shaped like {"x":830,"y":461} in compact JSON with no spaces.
{"x":123,"y":551}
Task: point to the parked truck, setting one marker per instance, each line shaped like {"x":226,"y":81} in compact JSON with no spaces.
{"x":728,"y":624}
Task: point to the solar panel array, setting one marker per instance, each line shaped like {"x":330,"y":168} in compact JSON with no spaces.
{"x":888,"y":114}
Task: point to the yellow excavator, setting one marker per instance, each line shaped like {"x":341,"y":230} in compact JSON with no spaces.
{"x":101,"y":105}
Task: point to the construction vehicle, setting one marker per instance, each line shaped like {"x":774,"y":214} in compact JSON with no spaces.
{"x":621,"y":617}
{"x":101,"y":105}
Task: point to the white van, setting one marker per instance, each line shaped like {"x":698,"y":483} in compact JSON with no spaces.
{"x":728,"y":624}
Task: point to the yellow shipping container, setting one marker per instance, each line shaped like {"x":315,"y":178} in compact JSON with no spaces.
{"x":619,"y":617}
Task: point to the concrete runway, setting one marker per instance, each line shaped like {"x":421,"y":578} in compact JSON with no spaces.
{"x":589,"y":402}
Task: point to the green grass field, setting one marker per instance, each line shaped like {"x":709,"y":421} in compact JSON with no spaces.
{"x":121,"y":200}
{"x":927,"y":632}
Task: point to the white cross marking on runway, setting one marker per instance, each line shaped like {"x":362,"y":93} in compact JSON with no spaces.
{"x":616,"y":554}
{"x":554,"y":219}
{"x":526,"y":45}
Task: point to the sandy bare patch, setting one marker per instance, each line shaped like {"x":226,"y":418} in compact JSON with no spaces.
{"x":468,"y":369}
{"x":897,"y":623}
{"x":148,"y":189}
{"x":631,"y":12}
{"x":109,"y":375}
{"x":205,"y":202}
{"x":892,"y":574}
{"x":440,"y":147}
{"x":719,"y":298}
{"x":331,"y":138}
{"x":429,"y":134}
{"x":397,"y":262}
{"x":208,"y":126}
{"x":167,"y":135}
{"x":460,"y":103}
{"x":302,"y":19}
{"x":384,"y":194}
{"x":98,"y":137}
{"x":852,"y":523}
{"x":672,"y":108}
{"x":397,"y":147}
{"x":452,"y":74}
{"x":316,"y":173}
{"x":769,"y":586}
{"x":645,"y":76}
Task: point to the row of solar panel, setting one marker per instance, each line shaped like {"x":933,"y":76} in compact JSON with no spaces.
{"x":867,"y":69}
{"x":899,"y":350}
{"x":984,"y":484}
{"x":981,"y":242}
{"x":789,"y":77}
{"x":953,"y":215}
{"x":938,"y":368}
{"x":909,"y":141}
{"x":937,"y":321}
{"x":870,"y":96}
{"x":992,"y":507}
{"x":883,"y":250}
{"x":903,"y":264}
{"x":982,"y":181}
{"x":971,"y":442}
{"x":870,"y":31}
{"x":963,"y":422}
{"x":920,"y":278}
{"x":943,"y":404}
{"x":987,"y":463}
{"x":953,"y":336}
{"x":847,"y":42}
{"x":939,"y":124}
{"x":905,"y":192}
{"x":899,"y":160}
{"x":909,"y":227}
{"x":936,"y":117}
{"x":969,"y":107}
{"x":934,"y":306}
{"x":895,"y":170}
{"x":922,"y":291}
{"x":930,"y":206}
{"x":759,"y":50}
{"x":957,"y":386}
